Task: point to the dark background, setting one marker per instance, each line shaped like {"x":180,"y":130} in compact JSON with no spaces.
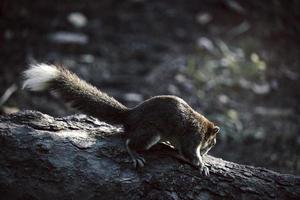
{"x":237,"y":62}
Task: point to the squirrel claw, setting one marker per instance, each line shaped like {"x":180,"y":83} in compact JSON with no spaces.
{"x":138,"y":162}
{"x":204,"y":170}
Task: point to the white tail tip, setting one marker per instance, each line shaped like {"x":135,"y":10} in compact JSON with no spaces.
{"x":38,"y":76}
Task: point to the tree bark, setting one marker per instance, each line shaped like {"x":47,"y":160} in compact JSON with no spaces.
{"x":79,"y":157}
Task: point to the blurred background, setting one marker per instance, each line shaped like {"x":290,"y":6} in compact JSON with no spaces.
{"x":237,"y":62}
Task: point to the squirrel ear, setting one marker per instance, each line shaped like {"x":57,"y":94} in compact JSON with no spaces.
{"x":216,"y":129}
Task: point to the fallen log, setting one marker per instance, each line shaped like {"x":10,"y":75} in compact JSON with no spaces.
{"x":79,"y":157}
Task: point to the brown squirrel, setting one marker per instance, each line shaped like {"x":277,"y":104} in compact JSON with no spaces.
{"x":163,"y":118}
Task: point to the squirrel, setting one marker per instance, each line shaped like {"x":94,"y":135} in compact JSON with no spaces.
{"x":164,"y":118}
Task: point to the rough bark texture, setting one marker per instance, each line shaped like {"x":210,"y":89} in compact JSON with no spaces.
{"x":79,"y":157}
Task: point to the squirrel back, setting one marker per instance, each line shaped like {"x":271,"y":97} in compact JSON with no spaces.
{"x":79,"y":93}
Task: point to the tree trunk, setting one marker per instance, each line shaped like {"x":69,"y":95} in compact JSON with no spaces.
{"x":79,"y":157}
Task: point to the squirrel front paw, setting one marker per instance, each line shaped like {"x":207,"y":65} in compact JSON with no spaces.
{"x":201,"y":165}
{"x":204,"y":170}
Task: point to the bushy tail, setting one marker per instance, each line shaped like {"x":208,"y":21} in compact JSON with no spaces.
{"x":79,"y":93}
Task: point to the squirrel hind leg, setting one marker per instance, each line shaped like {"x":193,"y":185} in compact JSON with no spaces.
{"x":142,"y":140}
{"x":137,"y":160}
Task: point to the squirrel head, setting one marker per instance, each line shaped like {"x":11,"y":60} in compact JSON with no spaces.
{"x":201,"y":138}
{"x":209,"y":138}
